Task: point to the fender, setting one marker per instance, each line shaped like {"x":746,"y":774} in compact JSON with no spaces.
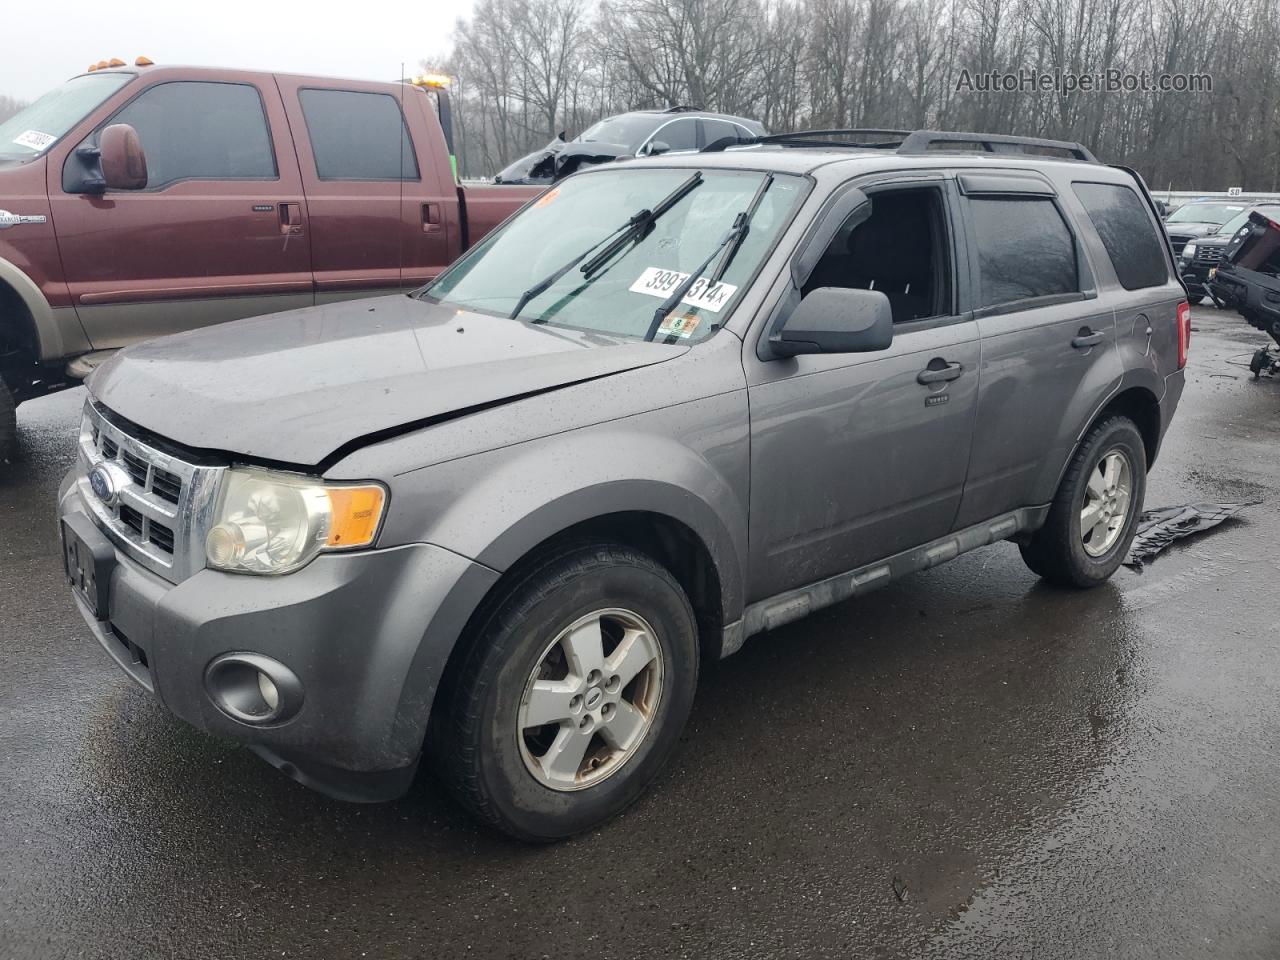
{"x":1142,"y":377}
{"x":48,"y":335}
{"x":495,"y":508}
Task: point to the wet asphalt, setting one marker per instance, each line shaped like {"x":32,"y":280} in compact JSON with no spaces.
{"x":966,"y":764}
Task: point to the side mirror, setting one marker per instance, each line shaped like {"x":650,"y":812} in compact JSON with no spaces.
{"x":836,"y":320}
{"x":124,"y":164}
{"x":656,"y":147}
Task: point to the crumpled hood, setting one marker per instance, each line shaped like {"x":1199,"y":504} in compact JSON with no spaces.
{"x":295,"y":387}
{"x":1192,"y":229}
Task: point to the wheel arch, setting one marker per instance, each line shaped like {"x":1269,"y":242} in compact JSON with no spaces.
{"x":37,"y":325}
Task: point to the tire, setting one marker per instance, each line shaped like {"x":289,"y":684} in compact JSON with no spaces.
{"x":8,"y":426}
{"x":1062,"y":551}
{"x":495,"y":764}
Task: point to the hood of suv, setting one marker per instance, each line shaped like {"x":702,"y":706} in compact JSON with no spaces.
{"x":295,"y":387}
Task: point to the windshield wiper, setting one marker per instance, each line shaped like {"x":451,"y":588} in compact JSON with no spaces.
{"x":637,"y":225}
{"x":729,"y":244}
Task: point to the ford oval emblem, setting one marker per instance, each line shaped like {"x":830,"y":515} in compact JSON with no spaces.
{"x":103,"y":486}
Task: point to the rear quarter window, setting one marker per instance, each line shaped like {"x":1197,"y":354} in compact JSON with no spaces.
{"x":1127,"y":232}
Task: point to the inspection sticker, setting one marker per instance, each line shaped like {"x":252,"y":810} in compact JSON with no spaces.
{"x":34,"y":139}
{"x":679,"y":325}
{"x":657,"y":282}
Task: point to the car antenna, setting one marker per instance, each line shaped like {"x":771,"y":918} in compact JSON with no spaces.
{"x":400,"y":205}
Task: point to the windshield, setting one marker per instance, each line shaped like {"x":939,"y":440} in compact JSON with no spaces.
{"x":1240,"y":219}
{"x":621,"y":296}
{"x":627,"y":130}
{"x":38,"y":127}
{"x":1205,"y":213}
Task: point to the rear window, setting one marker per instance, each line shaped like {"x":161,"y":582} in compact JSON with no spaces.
{"x":1125,"y":228}
{"x":358,"y":136}
{"x":1024,"y":250}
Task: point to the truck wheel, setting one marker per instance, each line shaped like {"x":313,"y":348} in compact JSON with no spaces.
{"x":1094,"y":516}
{"x":574,"y":693}
{"x":8,"y":425}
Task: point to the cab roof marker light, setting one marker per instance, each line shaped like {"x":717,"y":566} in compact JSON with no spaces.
{"x":144,"y":62}
{"x":116,"y":62}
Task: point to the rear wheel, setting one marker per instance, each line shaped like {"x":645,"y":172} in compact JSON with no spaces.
{"x":574,"y":693}
{"x":1094,"y":516}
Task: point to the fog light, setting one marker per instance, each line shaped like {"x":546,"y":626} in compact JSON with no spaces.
{"x":252,"y":688}
{"x":270,"y":695}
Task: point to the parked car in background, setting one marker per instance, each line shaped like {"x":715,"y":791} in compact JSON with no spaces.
{"x":1200,"y":218}
{"x":641,"y":133}
{"x":1248,"y":279}
{"x":670,"y":405}
{"x":138,"y":201}
{"x":1199,"y":258}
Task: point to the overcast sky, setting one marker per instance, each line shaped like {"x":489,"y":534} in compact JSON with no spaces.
{"x":44,"y":43}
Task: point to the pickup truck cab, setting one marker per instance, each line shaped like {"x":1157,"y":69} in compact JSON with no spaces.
{"x":139,"y":201}
{"x":671,"y":404}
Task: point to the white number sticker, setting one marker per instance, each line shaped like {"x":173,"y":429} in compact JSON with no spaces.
{"x":657,"y":282}
{"x":34,"y":139}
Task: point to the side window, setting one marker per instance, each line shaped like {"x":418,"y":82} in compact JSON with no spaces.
{"x":713,"y":130}
{"x":680,"y":135}
{"x":196,"y":130}
{"x":1024,"y":249}
{"x":902,"y":250}
{"x":358,"y":136}
{"x":1124,"y":226}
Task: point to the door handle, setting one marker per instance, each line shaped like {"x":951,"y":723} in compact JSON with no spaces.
{"x":290,"y":218}
{"x":430,"y":217}
{"x":1086,"y":338}
{"x":939,"y":371}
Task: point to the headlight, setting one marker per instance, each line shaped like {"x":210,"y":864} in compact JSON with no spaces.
{"x":1189,"y":251}
{"x":272,"y":522}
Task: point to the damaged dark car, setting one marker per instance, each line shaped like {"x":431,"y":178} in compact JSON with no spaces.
{"x":641,"y":133}
{"x":1248,"y":280}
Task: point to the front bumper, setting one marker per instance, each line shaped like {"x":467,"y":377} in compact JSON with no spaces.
{"x":367,"y":634}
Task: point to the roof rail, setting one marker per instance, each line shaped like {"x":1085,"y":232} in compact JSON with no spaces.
{"x":915,"y":142}
{"x":680,"y":109}
{"x":930,"y":140}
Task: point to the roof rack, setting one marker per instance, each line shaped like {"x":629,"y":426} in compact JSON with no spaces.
{"x":916,"y":142}
{"x":679,"y":109}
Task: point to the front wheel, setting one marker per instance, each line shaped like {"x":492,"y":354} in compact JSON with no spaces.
{"x":1094,"y":515}
{"x":573,"y":694}
{"x":8,"y":425}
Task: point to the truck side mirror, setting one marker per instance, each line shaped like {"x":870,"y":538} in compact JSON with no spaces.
{"x":124,"y":164}
{"x":836,"y":320}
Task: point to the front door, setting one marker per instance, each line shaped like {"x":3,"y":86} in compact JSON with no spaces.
{"x":855,"y":457}
{"x":219,"y":232}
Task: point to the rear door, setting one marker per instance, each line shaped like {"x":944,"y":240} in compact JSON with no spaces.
{"x":219,"y":232}
{"x":1049,"y":350}
{"x":379,"y":185}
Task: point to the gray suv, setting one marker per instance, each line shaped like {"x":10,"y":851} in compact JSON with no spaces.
{"x":670,"y":404}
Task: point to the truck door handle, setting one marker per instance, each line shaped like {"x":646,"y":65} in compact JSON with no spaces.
{"x":1086,"y":338}
{"x":939,"y":371}
{"x":430,"y":217}
{"x":290,"y":218}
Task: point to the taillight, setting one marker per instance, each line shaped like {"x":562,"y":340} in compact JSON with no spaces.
{"x":1184,"y":332}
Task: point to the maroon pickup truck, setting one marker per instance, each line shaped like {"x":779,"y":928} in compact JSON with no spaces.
{"x":145,"y":200}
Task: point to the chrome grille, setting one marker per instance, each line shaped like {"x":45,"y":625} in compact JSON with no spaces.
{"x":1209,"y":254}
{"x":1179,"y":241}
{"x":162,"y":505}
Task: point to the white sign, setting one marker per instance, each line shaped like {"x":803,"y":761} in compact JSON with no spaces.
{"x":657,"y":282}
{"x":1234,"y":191}
{"x":34,"y":139}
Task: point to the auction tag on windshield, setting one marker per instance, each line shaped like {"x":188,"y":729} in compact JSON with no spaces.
{"x":34,"y":139}
{"x":682,"y":325}
{"x":657,"y":282}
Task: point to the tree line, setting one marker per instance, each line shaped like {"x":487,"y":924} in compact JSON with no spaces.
{"x":524,"y":70}
{"x":9,"y":106}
